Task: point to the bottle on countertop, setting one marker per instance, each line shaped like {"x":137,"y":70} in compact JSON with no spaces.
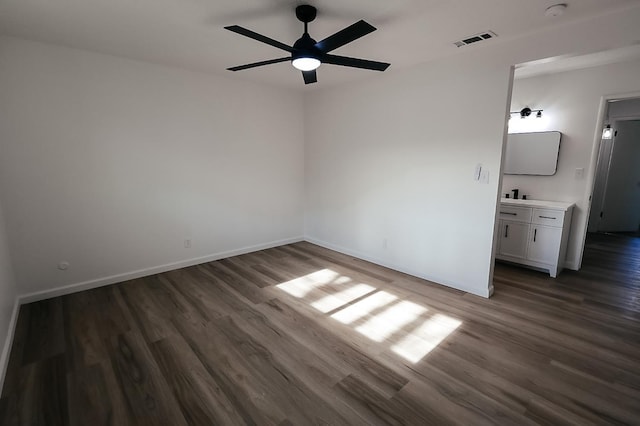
{"x":515,"y":193}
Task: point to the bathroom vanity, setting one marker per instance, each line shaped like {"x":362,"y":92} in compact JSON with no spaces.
{"x":534,"y":233}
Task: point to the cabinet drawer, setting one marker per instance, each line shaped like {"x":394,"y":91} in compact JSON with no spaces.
{"x":548,"y":217}
{"x":517,"y":214}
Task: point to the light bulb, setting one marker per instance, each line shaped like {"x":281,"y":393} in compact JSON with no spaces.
{"x":306,"y":64}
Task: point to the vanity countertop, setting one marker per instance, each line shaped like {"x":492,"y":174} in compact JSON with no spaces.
{"x":538,"y":203}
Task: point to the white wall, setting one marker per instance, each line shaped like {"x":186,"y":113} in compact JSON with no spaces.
{"x":571,"y":101}
{"x":386,"y":182}
{"x":110,"y":164}
{"x":7,"y":299}
{"x":392,"y":158}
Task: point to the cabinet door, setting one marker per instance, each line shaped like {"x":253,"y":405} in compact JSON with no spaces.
{"x":544,"y":244}
{"x":513,"y":238}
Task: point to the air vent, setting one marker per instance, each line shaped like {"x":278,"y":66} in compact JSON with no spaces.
{"x":475,"y":38}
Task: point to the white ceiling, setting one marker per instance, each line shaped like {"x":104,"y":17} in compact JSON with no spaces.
{"x":190,"y":34}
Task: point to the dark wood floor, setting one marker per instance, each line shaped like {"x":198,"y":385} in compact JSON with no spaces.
{"x":300,"y":335}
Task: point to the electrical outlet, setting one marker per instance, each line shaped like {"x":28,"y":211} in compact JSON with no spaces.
{"x":579,"y":173}
{"x":187,"y":243}
{"x":384,"y":243}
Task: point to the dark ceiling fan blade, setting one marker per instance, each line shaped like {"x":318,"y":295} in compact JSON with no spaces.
{"x":252,"y":34}
{"x":310,"y":76}
{"x":259,"y":64}
{"x":355,"y":62}
{"x":347,"y":35}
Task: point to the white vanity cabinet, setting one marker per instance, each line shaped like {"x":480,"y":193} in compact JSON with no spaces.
{"x":534,"y":233}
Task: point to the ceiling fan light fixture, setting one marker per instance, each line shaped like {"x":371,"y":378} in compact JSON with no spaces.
{"x":306,"y":63}
{"x":306,"y":54}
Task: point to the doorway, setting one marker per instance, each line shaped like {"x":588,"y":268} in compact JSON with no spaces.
{"x":615,"y":207}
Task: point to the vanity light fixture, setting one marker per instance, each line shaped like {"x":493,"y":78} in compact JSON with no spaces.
{"x":607,"y":132}
{"x":526,"y":112}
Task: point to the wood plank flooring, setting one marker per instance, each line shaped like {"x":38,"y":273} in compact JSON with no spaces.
{"x":300,"y":335}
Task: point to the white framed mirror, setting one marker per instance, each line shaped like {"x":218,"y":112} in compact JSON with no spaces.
{"x":532,"y":153}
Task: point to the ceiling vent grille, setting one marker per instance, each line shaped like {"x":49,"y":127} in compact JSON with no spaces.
{"x":476,"y":38}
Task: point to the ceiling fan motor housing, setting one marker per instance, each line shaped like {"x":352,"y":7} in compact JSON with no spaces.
{"x":305,"y":47}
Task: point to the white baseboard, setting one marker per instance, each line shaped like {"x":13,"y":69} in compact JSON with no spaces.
{"x":8,"y":342}
{"x":349,"y":252}
{"x":113,"y":279}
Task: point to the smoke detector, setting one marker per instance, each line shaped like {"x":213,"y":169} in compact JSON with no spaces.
{"x":555,"y":10}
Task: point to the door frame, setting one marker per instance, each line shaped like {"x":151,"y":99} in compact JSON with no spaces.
{"x":603,"y":155}
{"x":595,"y":151}
{"x":613,"y":145}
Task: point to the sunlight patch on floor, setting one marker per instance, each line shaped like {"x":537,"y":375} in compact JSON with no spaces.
{"x":302,"y":286}
{"x":380,"y":315}
{"x":333,"y":301}
{"x":364,"y":307}
{"x":425,"y":338}
{"x":342,"y":280}
{"x":379,"y":327}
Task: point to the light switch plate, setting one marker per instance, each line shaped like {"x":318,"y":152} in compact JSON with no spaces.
{"x":477,"y":172}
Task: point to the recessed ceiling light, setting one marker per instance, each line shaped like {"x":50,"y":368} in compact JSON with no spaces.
{"x":555,"y":10}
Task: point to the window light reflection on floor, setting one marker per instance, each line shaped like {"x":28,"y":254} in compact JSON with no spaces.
{"x":333,"y":301}
{"x":379,"y":314}
{"x":379,"y":327}
{"x":420,"y":342}
{"x":363,"y":307}
{"x":300,"y":287}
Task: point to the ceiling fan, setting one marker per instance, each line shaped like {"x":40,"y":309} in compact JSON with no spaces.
{"x":307,"y":54}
